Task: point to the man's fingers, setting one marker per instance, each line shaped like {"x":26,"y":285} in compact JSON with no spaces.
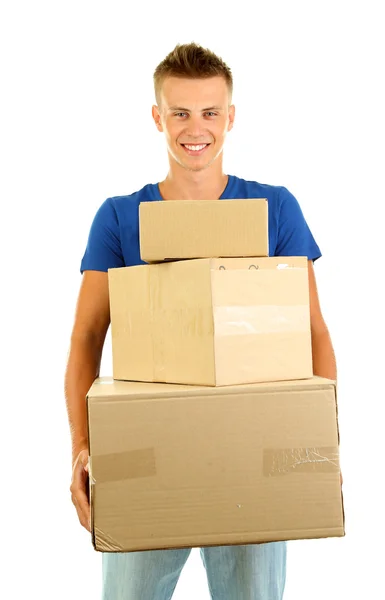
{"x":79,"y":495}
{"x":79,"y":477}
{"x":82,"y":501}
{"x":83,"y":515}
{"x":83,"y":511}
{"x":85,"y":520}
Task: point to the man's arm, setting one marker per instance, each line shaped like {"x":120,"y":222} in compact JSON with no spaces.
{"x":324,"y":361}
{"x":92,"y":318}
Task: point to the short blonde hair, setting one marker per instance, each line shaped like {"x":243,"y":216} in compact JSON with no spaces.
{"x":192,"y":61}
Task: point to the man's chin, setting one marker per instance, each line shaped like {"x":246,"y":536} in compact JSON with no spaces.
{"x":198,"y":167}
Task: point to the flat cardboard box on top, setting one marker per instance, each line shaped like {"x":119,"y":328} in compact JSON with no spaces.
{"x":176,"y":466}
{"x":173,"y":230}
{"x":211,"y":321}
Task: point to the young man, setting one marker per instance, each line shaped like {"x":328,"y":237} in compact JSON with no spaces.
{"x":193,"y":90}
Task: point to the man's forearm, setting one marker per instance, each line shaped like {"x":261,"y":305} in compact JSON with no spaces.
{"x":324,"y":360}
{"x":82,"y":369}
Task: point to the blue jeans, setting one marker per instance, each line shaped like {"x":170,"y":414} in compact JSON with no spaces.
{"x":252,"y":572}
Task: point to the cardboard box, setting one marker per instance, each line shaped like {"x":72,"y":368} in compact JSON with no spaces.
{"x":172,"y":230}
{"x":212,"y":321}
{"x":185,"y":466}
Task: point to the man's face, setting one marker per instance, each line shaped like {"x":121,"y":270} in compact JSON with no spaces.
{"x":195,"y":116}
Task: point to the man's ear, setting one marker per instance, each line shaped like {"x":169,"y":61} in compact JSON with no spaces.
{"x":156,"y":117}
{"x":231,"y":117}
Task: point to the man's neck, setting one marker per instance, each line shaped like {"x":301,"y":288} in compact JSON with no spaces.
{"x":193,"y":186}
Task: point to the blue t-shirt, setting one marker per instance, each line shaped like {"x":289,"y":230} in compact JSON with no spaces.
{"x":114,"y":235}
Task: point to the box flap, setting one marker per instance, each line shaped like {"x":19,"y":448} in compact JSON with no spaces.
{"x":108,"y":387}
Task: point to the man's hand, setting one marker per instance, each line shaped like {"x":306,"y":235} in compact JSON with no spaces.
{"x":79,"y":489}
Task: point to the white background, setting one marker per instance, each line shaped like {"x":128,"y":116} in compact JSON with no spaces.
{"x":76,"y":127}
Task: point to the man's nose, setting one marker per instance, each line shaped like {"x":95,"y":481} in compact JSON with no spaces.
{"x":194,"y":127}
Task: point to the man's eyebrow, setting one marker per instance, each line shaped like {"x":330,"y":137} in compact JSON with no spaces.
{"x":181,"y":109}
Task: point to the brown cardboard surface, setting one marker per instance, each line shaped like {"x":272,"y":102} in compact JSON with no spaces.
{"x":176,"y":466}
{"x":215,"y":322}
{"x":172,"y":230}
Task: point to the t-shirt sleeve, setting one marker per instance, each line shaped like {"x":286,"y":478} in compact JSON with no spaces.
{"x":294,"y":235}
{"x":103,"y":250}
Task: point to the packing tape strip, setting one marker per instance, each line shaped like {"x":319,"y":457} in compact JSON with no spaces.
{"x":300,"y":460}
{"x":105,"y":543}
{"x":241,"y":320}
{"x":119,"y":466}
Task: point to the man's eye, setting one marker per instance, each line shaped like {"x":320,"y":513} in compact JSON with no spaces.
{"x":211,"y":114}
{"x":179,"y":114}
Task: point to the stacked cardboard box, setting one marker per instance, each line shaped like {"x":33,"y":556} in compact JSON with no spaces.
{"x":213,"y":429}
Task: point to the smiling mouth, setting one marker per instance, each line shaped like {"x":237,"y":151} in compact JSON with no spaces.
{"x":195,"y":149}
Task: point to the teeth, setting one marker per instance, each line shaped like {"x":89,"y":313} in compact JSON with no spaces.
{"x":195,"y":148}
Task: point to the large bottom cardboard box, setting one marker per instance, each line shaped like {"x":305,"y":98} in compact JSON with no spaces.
{"x":212,"y":321}
{"x":176,"y":466}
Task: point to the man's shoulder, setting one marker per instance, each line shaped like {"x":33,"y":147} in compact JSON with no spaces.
{"x":246,"y":188}
{"x":126,"y":201}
